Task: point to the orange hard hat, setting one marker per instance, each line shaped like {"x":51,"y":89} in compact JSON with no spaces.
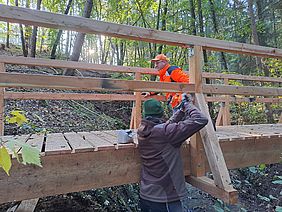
{"x":160,"y":57}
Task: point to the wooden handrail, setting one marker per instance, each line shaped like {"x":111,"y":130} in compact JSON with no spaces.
{"x":86,"y":25}
{"x":121,"y":69}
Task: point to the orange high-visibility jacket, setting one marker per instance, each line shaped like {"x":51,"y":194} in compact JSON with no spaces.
{"x":173,"y":74}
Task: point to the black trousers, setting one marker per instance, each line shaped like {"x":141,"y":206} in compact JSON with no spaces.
{"x":149,"y":206}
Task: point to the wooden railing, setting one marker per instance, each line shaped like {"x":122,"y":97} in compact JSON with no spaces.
{"x":62,"y":82}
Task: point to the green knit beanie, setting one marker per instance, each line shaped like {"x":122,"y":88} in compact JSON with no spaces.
{"x":152,"y":107}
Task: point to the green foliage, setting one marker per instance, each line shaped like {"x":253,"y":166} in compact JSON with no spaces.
{"x":5,"y":159}
{"x":27,"y":155}
{"x":16,"y":117}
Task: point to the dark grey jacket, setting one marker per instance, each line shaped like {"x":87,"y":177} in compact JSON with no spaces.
{"x":162,"y":176}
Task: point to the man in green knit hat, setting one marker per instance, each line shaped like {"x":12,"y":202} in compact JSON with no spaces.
{"x":162,"y":184}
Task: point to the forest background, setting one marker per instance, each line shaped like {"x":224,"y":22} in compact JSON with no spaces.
{"x":247,"y":21}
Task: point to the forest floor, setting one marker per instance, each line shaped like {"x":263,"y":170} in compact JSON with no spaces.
{"x":254,"y":184}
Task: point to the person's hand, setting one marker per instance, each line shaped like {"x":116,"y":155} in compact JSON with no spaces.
{"x":187,"y":98}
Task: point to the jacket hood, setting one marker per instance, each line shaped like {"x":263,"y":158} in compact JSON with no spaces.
{"x":145,"y":128}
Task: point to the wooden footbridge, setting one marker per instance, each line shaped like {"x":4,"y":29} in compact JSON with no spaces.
{"x":77,"y":161}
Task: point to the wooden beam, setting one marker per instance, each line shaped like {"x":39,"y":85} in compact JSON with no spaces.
{"x":116,"y":97}
{"x":206,"y":184}
{"x":195,"y":71}
{"x":86,"y":25}
{"x":251,"y":152}
{"x":2,"y":102}
{"x":197,"y":153}
{"x":64,"y":173}
{"x":138,"y":102}
{"x":226,"y":118}
{"x":219,"y":121}
{"x":78,"y":83}
{"x":242,"y":90}
{"x":74,"y":65}
{"x":212,"y":149}
{"x":280,"y":119}
{"x":123,"y":69}
{"x":241,"y":77}
{"x":242,"y":99}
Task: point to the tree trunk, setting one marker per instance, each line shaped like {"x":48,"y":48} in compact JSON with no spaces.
{"x":79,"y":38}
{"x":256,"y":40}
{"x":22,"y":34}
{"x":54,"y":49}
{"x":34,"y":34}
{"x":193,"y":15}
{"x":8,"y":32}
{"x":215,"y":26}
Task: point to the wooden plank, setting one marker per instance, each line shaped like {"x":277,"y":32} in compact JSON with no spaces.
{"x":27,"y":205}
{"x":138,"y":102}
{"x":116,"y":97}
{"x":251,"y":152}
{"x":66,"y":173}
{"x":226,"y":118}
{"x":219,"y":121}
{"x":68,"y":96}
{"x":77,"y":142}
{"x":106,"y":136}
{"x":86,"y":25}
{"x":36,"y":140}
{"x":197,"y":153}
{"x":74,"y":65}
{"x":212,"y":149}
{"x":196,"y":64}
{"x":206,"y":184}
{"x":241,"y":77}
{"x":124,"y":69}
{"x":2,"y":102}
{"x":99,"y":143}
{"x":86,"y":83}
{"x":242,"y":90}
{"x":244,"y":99}
{"x":56,"y":144}
{"x":132,"y":118}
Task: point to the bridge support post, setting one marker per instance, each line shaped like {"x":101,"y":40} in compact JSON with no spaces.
{"x":221,"y":186}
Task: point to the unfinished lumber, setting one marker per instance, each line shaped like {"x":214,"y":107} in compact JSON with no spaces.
{"x":87,"y":83}
{"x":86,"y":25}
{"x":212,"y":149}
{"x":206,"y":184}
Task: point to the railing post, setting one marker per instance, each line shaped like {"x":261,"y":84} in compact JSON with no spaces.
{"x":222,"y":181}
{"x":196,"y":145}
{"x":138,"y":103}
{"x":226,"y":108}
{"x":2,"y":105}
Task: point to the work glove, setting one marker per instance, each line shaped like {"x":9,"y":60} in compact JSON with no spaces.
{"x":185,"y":99}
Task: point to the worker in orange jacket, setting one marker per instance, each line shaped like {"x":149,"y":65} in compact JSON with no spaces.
{"x":169,"y":73}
